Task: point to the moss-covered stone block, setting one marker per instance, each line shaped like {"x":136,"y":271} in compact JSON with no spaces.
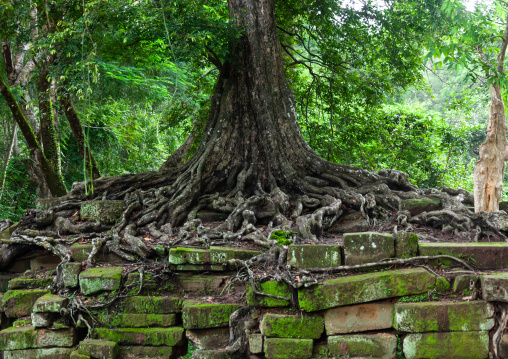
{"x":493,"y":255}
{"x":292,"y":326}
{"x":161,"y":352}
{"x":255,"y":343}
{"x":97,"y":280}
{"x":19,"y":303}
{"x":204,"y":315}
{"x":97,"y":348}
{"x":152,"y":305}
{"x":358,"y":318}
{"x":30,"y":283}
{"x":137,"y":336}
{"x":443,"y":317}
{"x":367,"y":247}
{"x":282,"y":348}
{"x":406,"y":244}
{"x":50,"y":303}
{"x":280,"y":289}
{"x":102,"y":211}
{"x":127,"y":320}
{"x":77,"y":355}
{"x":420,"y":205}
{"x":42,"y":320}
{"x":149,"y":281}
{"x":70,"y":274}
{"x":455,"y":345}
{"x":18,"y":338}
{"x":47,"y":338}
{"x":188,"y":256}
{"x":443,"y":286}
{"x":465,"y":282}
{"x":47,"y":353}
{"x":382,"y":346}
{"x":495,"y":287}
{"x":80,"y":253}
{"x":364,"y":288}
{"x":211,"y":354}
{"x":220,"y":255}
{"x":200,"y":283}
{"x":212,"y":338}
{"x":314,"y":255}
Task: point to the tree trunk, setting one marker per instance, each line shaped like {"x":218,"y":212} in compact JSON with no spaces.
{"x":53,"y":179}
{"x":10,"y":149}
{"x":77,"y":131}
{"x":489,"y":169}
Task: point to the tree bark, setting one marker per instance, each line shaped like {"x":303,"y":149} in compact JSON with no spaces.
{"x":77,"y":131}
{"x":53,"y":179}
{"x":489,"y":169}
{"x":8,"y":158}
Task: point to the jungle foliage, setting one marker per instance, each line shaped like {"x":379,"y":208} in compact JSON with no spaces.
{"x":141,"y":74}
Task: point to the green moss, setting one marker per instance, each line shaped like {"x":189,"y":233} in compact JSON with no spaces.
{"x":152,"y":305}
{"x":30,"y":283}
{"x":137,"y":320}
{"x":18,"y":338}
{"x":97,"y":280}
{"x":19,"y":303}
{"x":474,"y":345}
{"x":198,"y":315}
{"x":137,"y":336}
{"x":314,"y":256}
{"x":291,"y":326}
{"x":102,"y":211}
{"x":283,"y":238}
{"x":270,"y":287}
{"x":50,"y":303}
{"x":277,"y":348}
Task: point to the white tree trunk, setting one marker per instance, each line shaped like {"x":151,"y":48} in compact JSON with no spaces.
{"x":489,"y":169}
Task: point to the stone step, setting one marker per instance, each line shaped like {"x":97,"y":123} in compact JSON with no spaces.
{"x":382,"y":345}
{"x":97,"y":280}
{"x":50,"y":303}
{"x":364,"y":288}
{"x":137,"y":336}
{"x":292,"y":326}
{"x":493,"y":255}
{"x":47,"y":353}
{"x":212,"y":256}
{"x":367,"y":247}
{"x":443,"y":317}
{"x":152,"y":305}
{"x":19,"y":303}
{"x":97,"y":348}
{"x":196,"y":315}
{"x":16,"y":338}
{"x":455,"y":345}
{"x":283,"y":348}
{"x":314,"y":255}
{"x":212,"y":338}
{"x":80,"y":253}
{"x":138,"y":320}
{"x":495,"y":287}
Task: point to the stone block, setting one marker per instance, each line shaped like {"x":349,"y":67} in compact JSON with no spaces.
{"x":137,"y":336}
{"x":149,"y":282}
{"x":97,"y":280}
{"x":47,"y":338}
{"x":493,"y":255}
{"x":215,"y":256}
{"x":80,"y":253}
{"x":188,"y":256}
{"x":292,"y":326}
{"x":367,"y":247}
{"x":364,"y":288}
{"x":464,"y":283}
{"x":314,"y":255}
{"x":70,"y":273}
{"x":420,"y":205}
{"x":495,"y":287}
{"x":45,"y":203}
{"x":358,"y":318}
{"x":203,"y":315}
{"x":221,"y":255}
{"x":406,"y":244}
{"x":150,"y":352}
{"x":443,"y":317}
{"x":97,"y":348}
{"x":47,"y":353}
{"x":211,"y":354}
{"x":77,"y":355}
{"x":41,"y":320}
{"x":102,"y":211}
{"x":50,"y":303}
{"x":47,"y":262}
{"x":19,"y":303}
{"x":382,"y":346}
{"x":214,"y":338}
{"x":152,"y":305}
{"x":30,"y":283}
{"x":455,"y":345}
{"x":126,"y":320}
{"x":201,"y":283}
{"x":255,"y":343}
{"x":283,"y":348}
{"x":280,"y":289}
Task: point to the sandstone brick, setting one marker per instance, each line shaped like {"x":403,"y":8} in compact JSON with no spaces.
{"x":358,"y":318}
{"x":366,"y":247}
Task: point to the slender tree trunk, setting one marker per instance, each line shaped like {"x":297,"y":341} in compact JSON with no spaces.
{"x":77,"y":131}
{"x":8,"y":158}
{"x":53,"y":179}
{"x":489,"y":169}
